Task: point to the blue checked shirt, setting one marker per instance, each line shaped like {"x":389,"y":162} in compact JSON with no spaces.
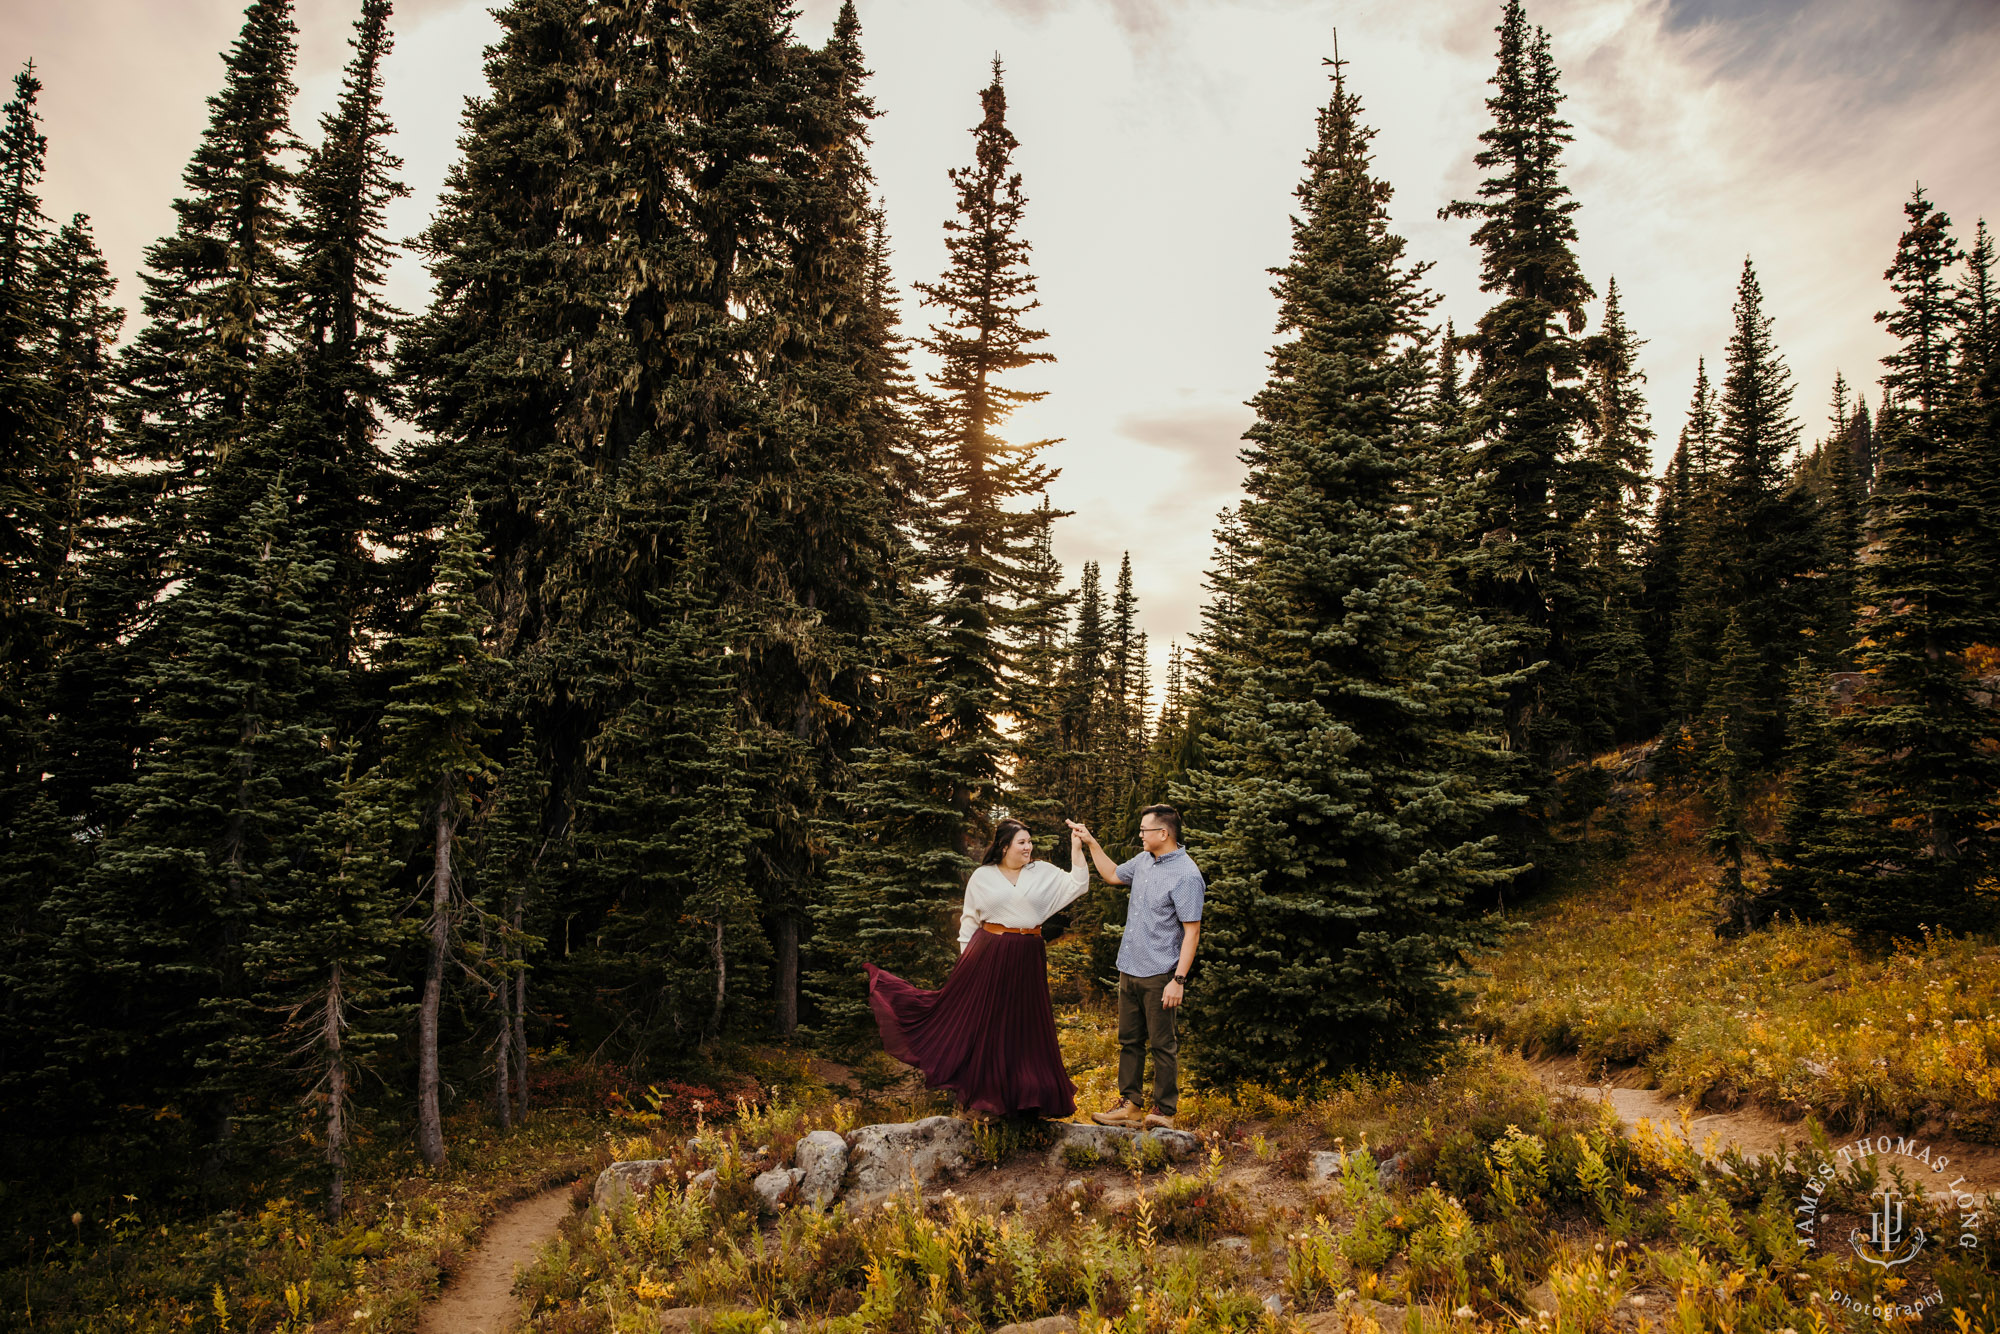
{"x":1166,"y":891}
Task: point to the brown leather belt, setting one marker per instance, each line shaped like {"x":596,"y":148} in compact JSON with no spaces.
{"x":999,"y":930}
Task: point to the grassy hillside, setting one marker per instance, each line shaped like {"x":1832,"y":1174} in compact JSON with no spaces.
{"x":1622,"y":967}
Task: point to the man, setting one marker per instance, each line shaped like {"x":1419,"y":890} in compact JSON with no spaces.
{"x":1162,"y":927}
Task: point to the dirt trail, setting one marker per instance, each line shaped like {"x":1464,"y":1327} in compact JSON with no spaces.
{"x":481,"y":1299}
{"x":1753,"y":1131}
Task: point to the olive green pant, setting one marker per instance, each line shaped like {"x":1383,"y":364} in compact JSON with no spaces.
{"x":1146,"y":1025}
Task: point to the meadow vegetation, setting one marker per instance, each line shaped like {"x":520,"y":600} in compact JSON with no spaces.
{"x":1472,"y":1199}
{"x":1623,"y":967}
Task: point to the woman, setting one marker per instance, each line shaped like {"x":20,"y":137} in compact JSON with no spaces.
{"x":989,"y":1035}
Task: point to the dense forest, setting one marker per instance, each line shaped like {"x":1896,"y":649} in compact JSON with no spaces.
{"x":612,"y":656}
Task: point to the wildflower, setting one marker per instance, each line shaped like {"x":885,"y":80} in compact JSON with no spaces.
{"x":1600,"y":1245}
{"x":1637,"y":1299}
{"x":1463,"y":1313}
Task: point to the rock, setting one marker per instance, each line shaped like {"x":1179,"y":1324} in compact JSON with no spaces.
{"x":1325,"y":1165}
{"x":1048,"y":1324}
{"x":822,"y":1162}
{"x":771,"y":1186}
{"x":683,"y":1319}
{"x":1541,"y":1300}
{"x":703,"y":1181}
{"x":622,"y":1181}
{"x":1237,"y":1246}
{"x":1275,"y":1304}
{"x":1108,"y":1141}
{"x":1353,"y":1315}
{"x":883,"y":1158}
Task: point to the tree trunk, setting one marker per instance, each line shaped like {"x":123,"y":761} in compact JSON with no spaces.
{"x":721,"y":979}
{"x":430,"y":1129}
{"x":520,"y":1034}
{"x":788,"y":973}
{"x":503,"y":1044}
{"x":336,"y":1097}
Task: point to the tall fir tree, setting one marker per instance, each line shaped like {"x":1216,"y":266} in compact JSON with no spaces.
{"x":323,"y":958}
{"x":329,"y":391}
{"x":897,"y":872}
{"x":1352,"y":755}
{"x":666,"y":832}
{"x":1612,"y":479}
{"x":1756,"y":533}
{"x":25,"y":626}
{"x":984,"y":550}
{"x":156,"y":961}
{"x":1693,"y":625}
{"x":214,"y":304}
{"x":1979,"y":384}
{"x":1920,"y":736}
{"x":434,"y":738}
{"x":1528,"y":567}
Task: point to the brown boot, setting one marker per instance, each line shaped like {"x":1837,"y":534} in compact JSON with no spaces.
{"x":1125,"y":1114}
{"x":1155,"y":1121}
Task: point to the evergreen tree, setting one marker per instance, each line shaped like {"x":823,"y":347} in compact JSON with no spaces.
{"x":707,"y":285}
{"x":330,"y":391}
{"x":1920,"y":736}
{"x":1828,"y":477}
{"x":434,"y":739}
{"x":1817,"y":809}
{"x":23,"y":622}
{"x":1757,"y":536}
{"x":215,"y":300}
{"x":79,"y":329}
{"x":1979,"y":386}
{"x":323,"y":956}
{"x":1128,"y":690}
{"x":1082,"y":788}
{"x":1697,"y":616}
{"x":984,"y":550}
{"x":897,"y":873}
{"x":214,"y":304}
{"x":1351,"y":751}
{"x":514,"y":869}
{"x":1037,"y":687}
{"x":1527,"y":570}
{"x":666,"y":831}
{"x":1613,"y":477}
{"x":156,"y":961}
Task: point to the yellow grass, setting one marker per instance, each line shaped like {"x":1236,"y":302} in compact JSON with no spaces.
{"x":1623,"y":967}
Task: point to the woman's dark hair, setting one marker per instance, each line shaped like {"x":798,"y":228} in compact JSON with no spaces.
{"x":1001,"y":838}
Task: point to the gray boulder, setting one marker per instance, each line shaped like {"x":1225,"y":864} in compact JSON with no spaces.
{"x":703,"y":1180}
{"x":1325,"y":1165}
{"x":1108,"y":1142}
{"x":884,"y":1158}
{"x":772,"y":1185}
{"x":822,"y":1162}
{"x":1048,"y":1324}
{"x":622,"y":1181}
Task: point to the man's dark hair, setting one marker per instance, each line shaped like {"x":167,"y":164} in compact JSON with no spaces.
{"x":1167,"y":816}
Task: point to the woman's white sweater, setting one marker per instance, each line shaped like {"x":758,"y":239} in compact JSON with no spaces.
{"x":1027,"y":901}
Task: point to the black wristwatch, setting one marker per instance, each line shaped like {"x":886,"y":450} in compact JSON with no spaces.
{"x":1180,"y":978}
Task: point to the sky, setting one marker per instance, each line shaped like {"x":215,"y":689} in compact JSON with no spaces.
{"x":1161,"y":141}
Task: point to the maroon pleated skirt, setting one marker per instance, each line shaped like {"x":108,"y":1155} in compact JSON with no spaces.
{"x":988,"y":1035}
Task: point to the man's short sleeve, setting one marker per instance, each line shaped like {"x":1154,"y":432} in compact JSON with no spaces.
{"x":1188,"y":893}
{"x":1129,"y":871}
